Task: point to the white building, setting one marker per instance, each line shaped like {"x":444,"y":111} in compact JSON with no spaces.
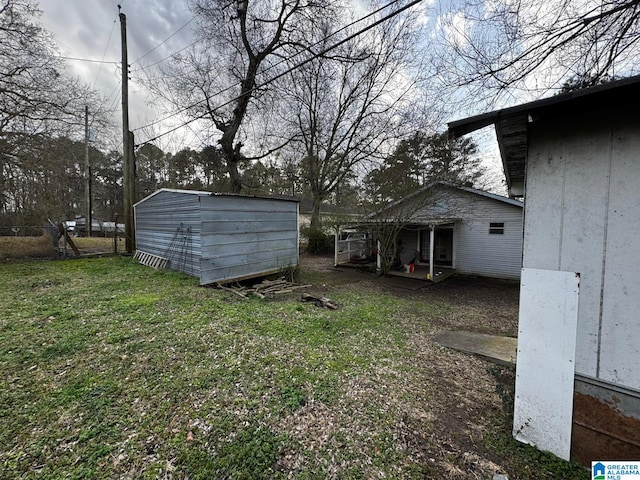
{"x":575,"y":158}
{"x":461,"y":229}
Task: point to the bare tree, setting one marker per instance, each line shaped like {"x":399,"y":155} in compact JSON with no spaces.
{"x":37,"y":100}
{"x":347,"y":106}
{"x":502,"y":45}
{"x":389,"y":218}
{"x":35,"y":94}
{"x":224,"y":77}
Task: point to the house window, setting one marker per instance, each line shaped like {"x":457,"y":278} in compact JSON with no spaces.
{"x":496,"y":228}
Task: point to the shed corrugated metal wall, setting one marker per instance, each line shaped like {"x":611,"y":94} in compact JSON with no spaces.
{"x":168,"y":225}
{"x":245,"y":236}
{"x":217,"y":237}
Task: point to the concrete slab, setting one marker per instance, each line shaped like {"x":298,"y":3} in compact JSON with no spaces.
{"x":421,"y":271}
{"x":497,"y":349}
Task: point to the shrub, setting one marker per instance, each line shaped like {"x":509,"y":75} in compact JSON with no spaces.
{"x":317,"y":240}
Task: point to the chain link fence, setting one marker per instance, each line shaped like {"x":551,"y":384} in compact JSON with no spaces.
{"x":50,"y":241}
{"x":74,"y":228}
{"x":23,"y":231}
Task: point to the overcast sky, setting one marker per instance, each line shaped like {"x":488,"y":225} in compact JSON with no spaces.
{"x":90,"y":30}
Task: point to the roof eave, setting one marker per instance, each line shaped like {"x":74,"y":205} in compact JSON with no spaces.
{"x":511,"y":124}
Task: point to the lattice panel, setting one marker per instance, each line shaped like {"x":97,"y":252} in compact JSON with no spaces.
{"x":151,"y":260}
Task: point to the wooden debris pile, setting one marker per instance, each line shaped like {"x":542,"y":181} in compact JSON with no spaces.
{"x":276,"y":287}
{"x":263,"y":289}
{"x":319,"y":301}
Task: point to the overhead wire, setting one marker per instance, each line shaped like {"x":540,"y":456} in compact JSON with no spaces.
{"x":164,"y":59}
{"x":104,"y":54}
{"x":384,"y":7}
{"x":105,"y":100}
{"x":202,"y":142}
{"x":113,"y":94}
{"x":163,"y":42}
{"x":304,"y":62}
{"x":91,"y":60}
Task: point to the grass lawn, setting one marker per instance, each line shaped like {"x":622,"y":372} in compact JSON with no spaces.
{"x":114,"y":370}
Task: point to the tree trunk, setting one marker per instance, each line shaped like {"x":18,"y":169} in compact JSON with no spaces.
{"x":234,"y":175}
{"x":230,"y":129}
{"x":316,"y":221}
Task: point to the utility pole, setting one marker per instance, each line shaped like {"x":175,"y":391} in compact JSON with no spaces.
{"x":88,"y":220}
{"x":128,"y":179}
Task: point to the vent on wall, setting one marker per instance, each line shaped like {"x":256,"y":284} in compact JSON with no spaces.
{"x":151,"y":260}
{"x":496,"y":228}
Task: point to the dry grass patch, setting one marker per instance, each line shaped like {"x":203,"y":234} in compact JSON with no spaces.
{"x":25,"y":247}
{"x":19,"y":248}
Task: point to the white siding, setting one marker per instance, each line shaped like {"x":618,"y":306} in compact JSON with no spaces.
{"x":583,"y":215}
{"x":479,"y":252}
{"x":476,"y":251}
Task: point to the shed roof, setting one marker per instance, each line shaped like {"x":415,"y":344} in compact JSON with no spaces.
{"x":511,"y":123}
{"x":217,"y":194}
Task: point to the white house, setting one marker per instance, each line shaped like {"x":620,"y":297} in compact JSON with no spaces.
{"x":575,"y":158}
{"x":459,"y":228}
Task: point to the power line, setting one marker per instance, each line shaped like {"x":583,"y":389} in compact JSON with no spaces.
{"x":384,"y":7}
{"x":104,"y":54}
{"x":164,"y":41}
{"x":164,"y":59}
{"x":196,"y":135}
{"x":160,"y":77}
{"x":91,"y":60}
{"x":109,"y":101}
{"x":289,"y":70}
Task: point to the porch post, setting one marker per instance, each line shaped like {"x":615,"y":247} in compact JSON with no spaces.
{"x":378,"y":259}
{"x":432,"y":236}
{"x":335,"y":247}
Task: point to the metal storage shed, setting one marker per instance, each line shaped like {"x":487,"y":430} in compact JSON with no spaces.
{"x":217,"y":237}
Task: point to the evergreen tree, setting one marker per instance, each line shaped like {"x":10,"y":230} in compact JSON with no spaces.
{"x":422,"y":159}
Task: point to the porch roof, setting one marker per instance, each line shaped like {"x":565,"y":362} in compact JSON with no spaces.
{"x":436,"y":222}
{"x":414,"y":222}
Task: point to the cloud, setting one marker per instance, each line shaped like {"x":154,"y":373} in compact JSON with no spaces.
{"x":90,"y":30}
{"x":456,"y":28}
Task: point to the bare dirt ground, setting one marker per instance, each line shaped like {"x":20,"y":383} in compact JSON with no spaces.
{"x":482,"y":305}
{"x":460,"y":402}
